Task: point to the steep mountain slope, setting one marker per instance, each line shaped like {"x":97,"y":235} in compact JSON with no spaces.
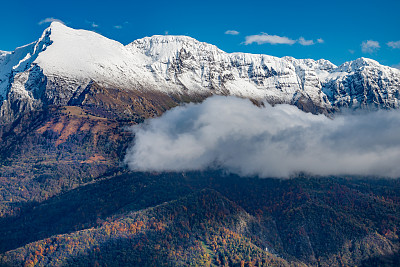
{"x":195,"y":65}
{"x":363,"y":83}
{"x":176,"y":219}
{"x":63,"y":62}
{"x":154,"y":237}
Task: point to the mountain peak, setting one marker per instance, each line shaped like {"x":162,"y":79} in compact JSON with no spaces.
{"x":358,"y":64}
{"x":164,"y":47}
{"x":57,"y":28}
{"x":79,"y":53}
{"x":366,"y":61}
{"x":58,"y":24}
{"x":168,"y":38}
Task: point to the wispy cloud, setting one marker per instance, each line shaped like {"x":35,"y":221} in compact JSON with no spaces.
{"x":395,"y":45}
{"x":92,"y":24}
{"x":232,"y":32}
{"x":235,"y":135}
{"x":265,"y":38}
{"x":370,"y":46}
{"x":50,"y":20}
{"x":305,"y":42}
{"x":122,"y":25}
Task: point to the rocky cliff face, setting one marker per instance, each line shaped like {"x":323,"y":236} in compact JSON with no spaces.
{"x":364,"y":83}
{"x":63,"y":62}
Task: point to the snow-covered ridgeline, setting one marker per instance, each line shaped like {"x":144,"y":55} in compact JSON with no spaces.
{"x":65,"y":60}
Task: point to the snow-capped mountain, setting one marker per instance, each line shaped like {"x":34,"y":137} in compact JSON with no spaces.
{"x":64,"y":61}
{"x":363,"y":83}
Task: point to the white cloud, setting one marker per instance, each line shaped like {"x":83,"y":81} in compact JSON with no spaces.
{"x":370,"y":46}
{"x":49,"y":20}
{"x":232,"y":32}
{"x":320,"y":41}
{"x":305,"y":42}
{"x":351,"y":51}
{"x":265,"y":38}
{"x":394,"y":44}
{"x":234,"y":134}
{"x":397,"y":66}
{"x":118,"y":27}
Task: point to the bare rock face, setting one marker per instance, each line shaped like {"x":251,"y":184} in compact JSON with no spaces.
{"x":59,"y":66}
{"x":364,"y":83}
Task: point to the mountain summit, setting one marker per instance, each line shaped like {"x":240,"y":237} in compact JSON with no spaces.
{"x":64,"y":61}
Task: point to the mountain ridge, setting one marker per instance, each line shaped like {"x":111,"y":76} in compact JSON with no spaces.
{"x":64,"y":61}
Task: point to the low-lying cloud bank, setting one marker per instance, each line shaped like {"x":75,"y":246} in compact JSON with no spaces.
{"x":234,"y":134}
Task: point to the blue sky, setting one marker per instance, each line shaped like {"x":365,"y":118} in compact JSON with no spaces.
{"x":335,"y":30}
